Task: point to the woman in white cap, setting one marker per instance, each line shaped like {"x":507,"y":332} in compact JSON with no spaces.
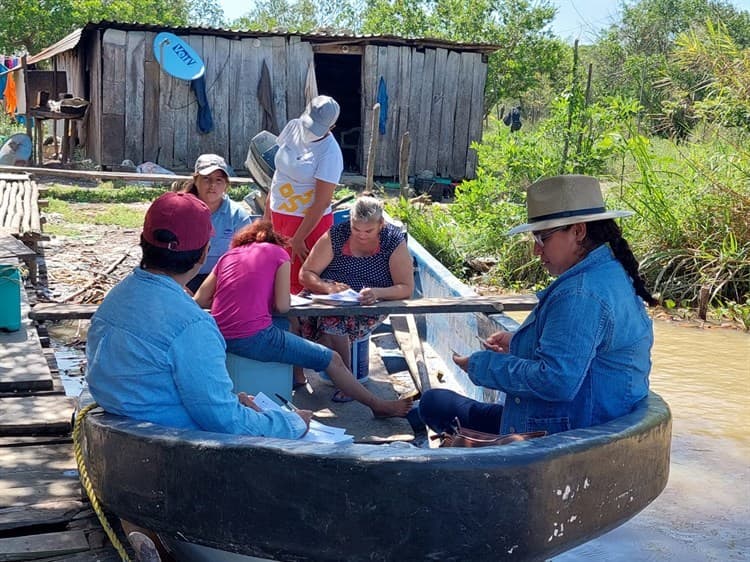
{"x":583,"y":355}
{"x":309,"y":164}
{"x":209,"y":184}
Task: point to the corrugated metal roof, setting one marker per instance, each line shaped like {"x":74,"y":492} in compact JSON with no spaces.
{"x":65,"y":44}
{"x":322,"y":36}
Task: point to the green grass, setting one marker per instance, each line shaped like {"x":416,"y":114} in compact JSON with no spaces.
{"x":115,"y":215}
{"x":103,"y":194}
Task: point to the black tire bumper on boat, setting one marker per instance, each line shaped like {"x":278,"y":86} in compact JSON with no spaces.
{"x":290,"y":500}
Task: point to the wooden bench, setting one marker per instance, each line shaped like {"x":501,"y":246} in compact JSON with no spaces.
{"x":448,"y":305}
{"x":19,"y":215}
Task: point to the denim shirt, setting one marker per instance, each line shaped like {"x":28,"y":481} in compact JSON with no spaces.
{"x":581,"y":358}
{"x":155,"y":355}
{"x":226,"y":220}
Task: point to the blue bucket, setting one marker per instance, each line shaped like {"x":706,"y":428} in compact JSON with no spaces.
{"x":360,"y":351}
{"x":341,"y":216}
{"x":10,"y":298}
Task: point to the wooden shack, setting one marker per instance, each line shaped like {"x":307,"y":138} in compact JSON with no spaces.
{"x":140,"y":113}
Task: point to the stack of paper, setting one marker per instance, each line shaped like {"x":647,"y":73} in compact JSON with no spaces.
{"x":348,"y":296}
{"x":318,"y":433}
{"x":297,"y":300}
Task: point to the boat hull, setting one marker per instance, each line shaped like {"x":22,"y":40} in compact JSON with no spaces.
{"x":288,"y":500}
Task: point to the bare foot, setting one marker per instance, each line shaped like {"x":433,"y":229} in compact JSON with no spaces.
{"x":392,"y":408}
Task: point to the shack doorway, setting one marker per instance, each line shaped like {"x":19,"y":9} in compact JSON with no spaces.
{"x":340,"y":76}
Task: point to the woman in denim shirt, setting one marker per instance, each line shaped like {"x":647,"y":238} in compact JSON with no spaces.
{"x":583,"y":355}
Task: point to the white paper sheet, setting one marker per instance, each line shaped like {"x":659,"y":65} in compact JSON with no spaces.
{"x":349,"y":296}
{"x":318,"y":433}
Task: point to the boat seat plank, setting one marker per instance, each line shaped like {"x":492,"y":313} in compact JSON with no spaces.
{"x":355,"y":417}
{"x":38,"y":546}
{"x":405,"y":331}
{"x":22,"y":362}
{"x":448,"y":305}
{"x":36,"y":415}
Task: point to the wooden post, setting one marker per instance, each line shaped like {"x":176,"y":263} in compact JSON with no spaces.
{"x":703,"y":302}
{"x":403,"y":164}
{"x":373,"y":144}
{"x":24,"y":68}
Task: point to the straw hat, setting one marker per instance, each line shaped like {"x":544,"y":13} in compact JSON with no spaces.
{"x":563,"y":200}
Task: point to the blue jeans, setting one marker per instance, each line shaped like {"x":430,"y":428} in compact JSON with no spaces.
{"x":276,"y":344}
{"x":439,"y":407}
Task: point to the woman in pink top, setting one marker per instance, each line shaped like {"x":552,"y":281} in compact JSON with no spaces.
{"x":251,"y":282}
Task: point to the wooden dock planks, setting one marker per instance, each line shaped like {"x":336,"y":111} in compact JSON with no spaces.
{"x":36,"y":415}
{"x":22,"y":363}
{"x":42,"y":546}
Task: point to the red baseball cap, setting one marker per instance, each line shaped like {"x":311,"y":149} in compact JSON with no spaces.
{"x":182,"y":214}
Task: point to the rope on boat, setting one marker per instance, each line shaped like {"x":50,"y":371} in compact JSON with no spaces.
{"x":86,"y":483}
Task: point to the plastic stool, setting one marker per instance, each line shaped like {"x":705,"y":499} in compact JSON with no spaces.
{"x":251,"y":376}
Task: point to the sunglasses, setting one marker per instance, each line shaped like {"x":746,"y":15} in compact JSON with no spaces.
{"x":542,"y":235}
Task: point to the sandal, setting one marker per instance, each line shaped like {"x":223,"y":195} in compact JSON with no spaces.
{"x":340,"y":397}
{"x":298,"y":385}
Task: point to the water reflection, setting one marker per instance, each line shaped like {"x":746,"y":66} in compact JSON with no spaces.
{"x":704,"y":511}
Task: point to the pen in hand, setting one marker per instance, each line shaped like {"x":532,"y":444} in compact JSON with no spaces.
{"x":286,"y":402}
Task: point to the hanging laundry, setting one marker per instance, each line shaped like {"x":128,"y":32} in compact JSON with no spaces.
{"x":265,"y":98}
{"x":205,"y":120}
{"x":311,"y":84}
{"x":10,"y":94}
{"x":3,"y":79}
{"x":383,"y":101}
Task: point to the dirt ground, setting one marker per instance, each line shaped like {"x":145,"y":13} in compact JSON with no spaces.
{"x":82,"y":267}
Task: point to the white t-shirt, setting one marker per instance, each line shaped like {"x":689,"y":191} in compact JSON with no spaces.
{"x":298,"y":166}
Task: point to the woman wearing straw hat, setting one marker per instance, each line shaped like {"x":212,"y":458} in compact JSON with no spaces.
{"x":583,"y":355}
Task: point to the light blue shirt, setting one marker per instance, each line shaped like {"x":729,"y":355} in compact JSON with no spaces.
{"x":155,"y":355}
{"x":227,"y":220}
{"x":581,"y":358}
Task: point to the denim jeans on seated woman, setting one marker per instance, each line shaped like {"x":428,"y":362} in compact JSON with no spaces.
{"x":278,"y":345}
{"x":439,"y":407}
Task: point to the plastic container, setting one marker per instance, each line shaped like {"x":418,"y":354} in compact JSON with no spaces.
{"x":340,"y":216}
{"x":10,"y":298}
{"x":253,"y":377}
{"x":360,"y":350}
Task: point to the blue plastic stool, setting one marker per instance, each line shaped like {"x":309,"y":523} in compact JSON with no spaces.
{"x":251,"y":376}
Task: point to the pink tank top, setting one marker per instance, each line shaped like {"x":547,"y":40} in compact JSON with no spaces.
{"x":244,"y":296}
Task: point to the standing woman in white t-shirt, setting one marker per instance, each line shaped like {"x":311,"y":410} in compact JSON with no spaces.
{"x":309,"y":164}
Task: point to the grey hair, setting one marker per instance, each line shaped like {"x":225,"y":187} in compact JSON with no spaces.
{"x":367,"y":209}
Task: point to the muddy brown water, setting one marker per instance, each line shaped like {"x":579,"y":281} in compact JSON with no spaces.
{"x":703,"y":514}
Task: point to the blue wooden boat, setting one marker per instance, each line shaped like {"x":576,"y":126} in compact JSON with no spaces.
{"x":219,"y":497}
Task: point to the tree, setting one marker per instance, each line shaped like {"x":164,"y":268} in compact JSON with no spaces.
{"x":527,"y":50}
{"x":632,"y":58}
{"x":31,"y":25}
{"x":302,"y":16}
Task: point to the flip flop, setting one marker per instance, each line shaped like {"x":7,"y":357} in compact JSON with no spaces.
{"x":298,"y":385}
{"x":340,"y":397}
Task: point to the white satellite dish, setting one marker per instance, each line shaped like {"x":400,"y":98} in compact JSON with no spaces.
{"x":16,"y":148}
{"x":177,"y":58}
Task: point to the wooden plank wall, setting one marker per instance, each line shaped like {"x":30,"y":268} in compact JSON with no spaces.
{"x":435,"y":94}
{"x":148,"y":115}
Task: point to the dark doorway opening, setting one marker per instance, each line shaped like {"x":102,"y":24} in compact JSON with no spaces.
{"x":340,"y":76}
